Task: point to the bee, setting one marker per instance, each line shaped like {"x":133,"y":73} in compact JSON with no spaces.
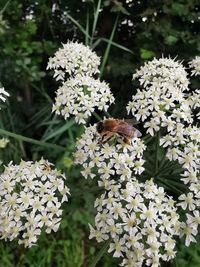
{"x":47,"y":167}
{"x":110,"y":127}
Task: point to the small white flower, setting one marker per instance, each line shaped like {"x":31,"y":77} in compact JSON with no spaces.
{"x":193,"y":220}
{"x":189,"y":232}
{"x":195,"y":65}
{"x":4,"y":142}
{"x":3,"y":94}
{"x":118,"y":247}
{"x":188,"y":201}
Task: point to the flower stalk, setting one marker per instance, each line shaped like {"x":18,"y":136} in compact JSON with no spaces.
{"x":100,"y":254}
{"x":156,"y":152}
{"x":31,"y":140}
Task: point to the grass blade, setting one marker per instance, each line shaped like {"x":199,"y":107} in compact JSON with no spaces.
{"x":96,"y":15}
{"x":79,"y":26}
{"x":60,"y":130}
{"x":30,"y":140}
{"x":112,"y":43}
{"x":100,"y":253}
{"x":105,"y":57}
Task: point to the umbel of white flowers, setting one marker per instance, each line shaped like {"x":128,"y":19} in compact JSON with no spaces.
{"x":141,"y":221}
{"x":72,"y":59}
{"x":163,"y":102}
{"x":79,"y":96}
{"x":121,"y":161}
{"x":80,"y":93}
{"x":31,"y":195}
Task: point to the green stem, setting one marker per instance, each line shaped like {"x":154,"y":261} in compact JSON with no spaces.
{"x":97,"y":116}
{"x":4,"y":8}
{"x":105,"y":57}
{"x":146,"y":139}
{"x":108,"y":114}
{"x":100,"y":253}
{"x":96,"y":15}
{"x":30,"y":140}
{"x":87,"y":27}
{"x":79,"y":26}
{"x":156,"y":152}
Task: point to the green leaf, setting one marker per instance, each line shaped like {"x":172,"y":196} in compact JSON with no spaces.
{"x":30,"y":140}
{"x":118,"y":7}
{"x":60,"y":130}
{"x":79,"y":26}
{"x":112,"y":43}
{"x":170,"y":40}
{"x":179,"y":9}
{"x":146,"y":54}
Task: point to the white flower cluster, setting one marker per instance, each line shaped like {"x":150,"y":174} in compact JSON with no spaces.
{"x":79,"y":96}
{"x":107,"y":160}
{"x":72,"y":59}
{"x":31,"y":195}
{"x":183,"y":145}
{"x":162,"y":99}
{"x":141,"y":221}
{"x":139,"y":218}
{"x":195,"y":65}
{"x":164,"y":103}
{"x":3,"y":94}
{"x":81,"y":93}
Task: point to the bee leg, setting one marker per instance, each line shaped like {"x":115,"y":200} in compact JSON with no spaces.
{"x":107,"y":136}
{"x":127,"y":140}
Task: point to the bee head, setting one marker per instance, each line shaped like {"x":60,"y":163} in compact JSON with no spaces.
{"x":100,"y":127}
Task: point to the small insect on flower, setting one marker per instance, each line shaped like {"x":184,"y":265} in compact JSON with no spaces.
{"x":47,"y":167}
{"x":110,"y":127}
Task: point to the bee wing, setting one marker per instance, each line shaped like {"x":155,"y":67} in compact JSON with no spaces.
{"x":137,"y":133}
{"x":132,"y":121}
{"x":128,"y":130}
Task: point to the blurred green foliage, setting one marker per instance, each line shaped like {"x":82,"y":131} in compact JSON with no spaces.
{"x":30,"y":32}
